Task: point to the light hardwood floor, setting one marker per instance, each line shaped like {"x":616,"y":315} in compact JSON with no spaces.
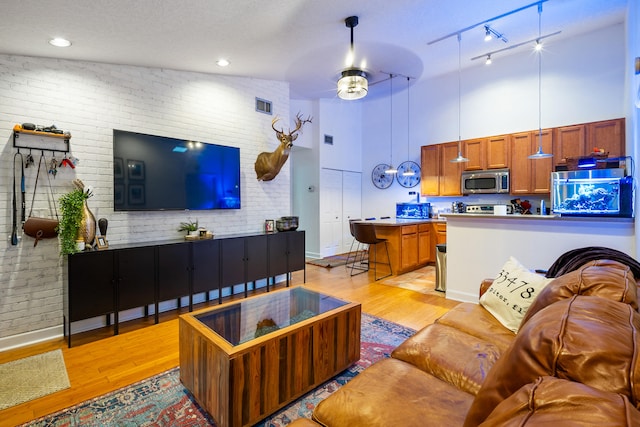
{"x":99,"y":362}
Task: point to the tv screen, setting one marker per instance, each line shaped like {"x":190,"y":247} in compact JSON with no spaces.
{"x":159,"y":173}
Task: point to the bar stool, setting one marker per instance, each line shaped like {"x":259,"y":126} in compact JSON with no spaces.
{"x":366,"y":234}
{"x":353,"y":255}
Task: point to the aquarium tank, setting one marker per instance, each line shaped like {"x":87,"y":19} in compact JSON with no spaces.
{"x":596,"y":192}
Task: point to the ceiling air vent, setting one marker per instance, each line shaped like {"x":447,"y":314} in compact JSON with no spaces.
{"x":263,"y":106}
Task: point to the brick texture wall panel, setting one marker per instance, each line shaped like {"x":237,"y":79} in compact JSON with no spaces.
{"x":90,"y":100}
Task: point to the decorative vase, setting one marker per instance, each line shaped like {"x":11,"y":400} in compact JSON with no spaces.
{"x":87,"y":226}
{"x":103,"y":223}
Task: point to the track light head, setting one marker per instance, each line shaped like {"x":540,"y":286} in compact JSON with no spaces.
{"x":488,"y":61}
{"x":538,"y":45}
{"x":487,"y":34}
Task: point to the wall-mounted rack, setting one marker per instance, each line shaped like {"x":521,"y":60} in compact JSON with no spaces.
{"x":38,"y":140}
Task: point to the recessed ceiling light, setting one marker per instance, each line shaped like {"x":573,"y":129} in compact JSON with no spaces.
{"x":222,"y":62}
{"x":60,"y":42}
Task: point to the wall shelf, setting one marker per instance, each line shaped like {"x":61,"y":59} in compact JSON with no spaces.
{"x":38,"y":140}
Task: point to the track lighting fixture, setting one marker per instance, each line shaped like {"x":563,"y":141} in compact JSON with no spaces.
{"x":353,"y":83}
{"x":488,"y":61}
{"x":489,"y":32}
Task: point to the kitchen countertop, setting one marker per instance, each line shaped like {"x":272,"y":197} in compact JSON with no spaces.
{"x":402,"y":221}
{"x":538,"y":217}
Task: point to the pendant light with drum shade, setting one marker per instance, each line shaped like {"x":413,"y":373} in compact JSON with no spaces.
{"x":391,"y":169}
{"x":460,"y":158}
{"x":353,"y":83}
{"x":540,"y":154}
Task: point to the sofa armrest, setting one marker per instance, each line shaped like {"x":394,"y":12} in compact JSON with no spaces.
{"x":485,"y":285}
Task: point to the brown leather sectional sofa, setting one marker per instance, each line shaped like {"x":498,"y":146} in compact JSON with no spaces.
{"x":574,"y":362}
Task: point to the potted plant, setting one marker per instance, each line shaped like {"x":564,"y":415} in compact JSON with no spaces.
{"x":71,"y":207}
{"x":191,"y":227}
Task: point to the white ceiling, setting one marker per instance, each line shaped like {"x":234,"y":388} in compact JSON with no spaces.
{"x":304,"y":42}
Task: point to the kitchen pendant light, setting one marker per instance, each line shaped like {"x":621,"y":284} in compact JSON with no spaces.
{"x":460,"y":158}
{"x":408,"y":172}
{"x":353,"y":83}
{"x":391,"y":169}
{"x":540,"y":154}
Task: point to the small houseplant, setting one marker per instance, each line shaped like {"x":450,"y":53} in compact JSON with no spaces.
{"x":71,"y":206}
{"x":189,"y":226}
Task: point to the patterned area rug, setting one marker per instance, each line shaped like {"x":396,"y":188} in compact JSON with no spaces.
{"x":422,"y":280}
{"x":163,"y":401}
{"x":32,"y":377}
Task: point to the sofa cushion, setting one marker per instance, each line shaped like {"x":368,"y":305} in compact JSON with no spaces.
{"x":450,"y":355}
{"x":475,"y":320}
{"x":512,"y":292}
{"x":394,"y":393}
{"x":587,"y":339}
{"x":554,"y":402}
{"x":605,"y":278}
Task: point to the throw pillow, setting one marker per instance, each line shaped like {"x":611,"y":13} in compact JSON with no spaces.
{"x":512,"y":292}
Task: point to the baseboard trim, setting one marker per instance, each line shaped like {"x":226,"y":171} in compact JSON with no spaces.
{"x":29,"y":338}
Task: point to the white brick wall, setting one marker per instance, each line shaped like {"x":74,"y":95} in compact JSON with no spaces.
{"x":90,"y":100}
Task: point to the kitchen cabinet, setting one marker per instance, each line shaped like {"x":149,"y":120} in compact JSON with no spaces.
{"x":487,"y":153}
{"x":608,"y":135}
{"x":425,"y":247}
{"x":409,"y":248}
{"x":569,"y":142}
{"x":430,"y":170}
{"x":529,"y":176}
{"x":498,"y":153}
{"x":476,"y":151}
{"x":440,"y":177}
{"x":450,"y":173}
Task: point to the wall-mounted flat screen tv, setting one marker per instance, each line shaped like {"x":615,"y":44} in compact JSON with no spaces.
{"x":159,"y":173}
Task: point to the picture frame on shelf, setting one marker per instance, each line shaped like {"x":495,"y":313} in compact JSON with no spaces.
{"x":269,"y":225}
{"x":102,"y":242}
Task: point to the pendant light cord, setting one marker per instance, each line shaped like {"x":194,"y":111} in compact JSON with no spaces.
{"x":459,"y":91}
{"x":539,"y":79}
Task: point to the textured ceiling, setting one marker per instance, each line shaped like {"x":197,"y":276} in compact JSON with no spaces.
{"x":304,"y":42}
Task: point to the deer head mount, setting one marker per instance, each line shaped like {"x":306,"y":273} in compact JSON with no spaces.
{"x":268,"y":165}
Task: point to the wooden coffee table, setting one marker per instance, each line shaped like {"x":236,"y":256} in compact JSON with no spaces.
{"x":245,"y":360}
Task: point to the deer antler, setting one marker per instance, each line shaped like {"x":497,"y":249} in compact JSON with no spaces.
{"x":300,"y":122}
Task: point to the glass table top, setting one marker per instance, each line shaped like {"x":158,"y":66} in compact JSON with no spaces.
{"x":254,"y":317}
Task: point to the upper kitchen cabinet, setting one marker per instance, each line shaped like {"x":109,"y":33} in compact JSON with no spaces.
{"x":440,"y":177}
{"x":569,"y":142}
{"x":450,"y":172}
{"x":487,"y":153}
{"x":580,"y":140}
{"x":530,"y":176}
{"x":476,"y":151}
{"x":607,"y":135}
{"x":430,"y":170}
{"x":498,"y":152}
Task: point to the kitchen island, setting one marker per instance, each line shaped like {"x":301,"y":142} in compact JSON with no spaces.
{"x":479,"y":245}
{"x":411,"y":242}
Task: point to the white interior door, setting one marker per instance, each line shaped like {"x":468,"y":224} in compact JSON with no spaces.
{"x":351,"y":204}
{"x":330,"y":212}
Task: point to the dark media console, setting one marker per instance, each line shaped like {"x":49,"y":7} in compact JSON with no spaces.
{"x":106,"y":282}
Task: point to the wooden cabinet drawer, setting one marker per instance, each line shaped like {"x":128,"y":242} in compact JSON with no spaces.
{"x":409,"y":229}
{"x":440,"y":227}
{"x":424,"y":227}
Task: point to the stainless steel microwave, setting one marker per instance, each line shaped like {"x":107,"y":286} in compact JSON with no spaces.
{"x":492,"y":181}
